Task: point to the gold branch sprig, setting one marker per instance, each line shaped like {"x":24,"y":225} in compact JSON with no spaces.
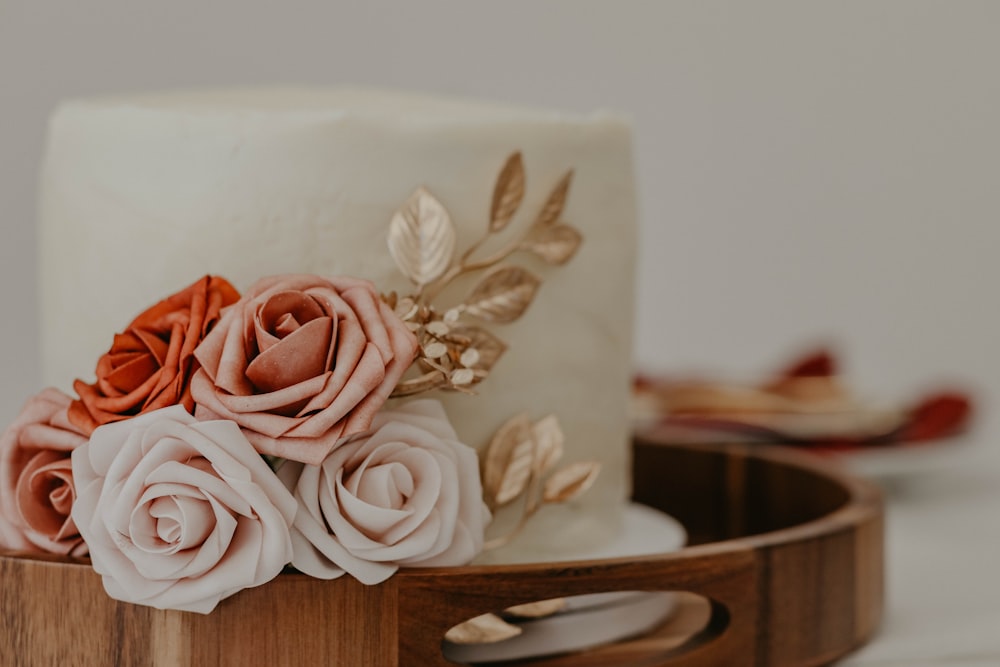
{"x":454,"y":353}
{"x":492,"y":628}
{"x":520,"y":462}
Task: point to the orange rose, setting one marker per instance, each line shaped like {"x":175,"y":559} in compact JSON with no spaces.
{"x":150,"y":365}
{"x":302,"y":362}
{"x":36,"y":478}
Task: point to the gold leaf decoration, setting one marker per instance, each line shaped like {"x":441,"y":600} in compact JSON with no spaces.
{"x":422,"y":241}
{"x":462,"y":376}
{"x":485,"y":629}
{"x":549,"y":441}
{"x":503,"y":449}
{"x":428,"y":381}
{"x":435,"y":350}
{"x":571,"y":481}
{"x":516,"y":463}
{"x":553,"y":207}
{"x":488,"y":346}
{"x":507,"y":193}
{"x":556,"y":244}
{"x":422,"y":238}
{"x":503,"y":295}
{"x":539,"y":609}
{"x":437,"y":328}
{"x":518,"y":470}
{"x":469,"y":358}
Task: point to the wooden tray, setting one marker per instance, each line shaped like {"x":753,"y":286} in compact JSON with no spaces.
{"x":786,"y":552}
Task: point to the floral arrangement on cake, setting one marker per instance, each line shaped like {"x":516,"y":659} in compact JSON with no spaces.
{"x":230,"y":436}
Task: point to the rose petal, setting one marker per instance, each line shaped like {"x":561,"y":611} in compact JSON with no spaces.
{"x":350,"y":349}
{"x":257,"y":412}
{"x":283,"y":313}
{"x":386,"y":485}
{"x":365,"y":378}
{"x":406,"y":345}
{"x":299,"y":356}
{"x":158,"y":349}
{"x":54,"y":436}
{"x":128,"y":373}
{"x":46,"y":474}
{"x":317,"y":553}
{"x":364,"y":301}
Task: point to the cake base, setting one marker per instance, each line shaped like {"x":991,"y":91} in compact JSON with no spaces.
{"x":786,"y":557}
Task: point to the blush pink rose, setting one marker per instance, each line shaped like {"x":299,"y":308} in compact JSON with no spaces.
{"x":179,"y":514}
{"x":408,"y":495}
{"x":36,"y":478}
{"x":301,"y":362}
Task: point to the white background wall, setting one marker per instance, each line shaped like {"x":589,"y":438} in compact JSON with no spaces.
{"x":807,"y":171}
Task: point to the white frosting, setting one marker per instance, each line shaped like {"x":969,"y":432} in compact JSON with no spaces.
{"x":142,"y":195}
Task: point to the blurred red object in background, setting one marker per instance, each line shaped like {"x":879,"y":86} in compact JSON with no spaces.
{"x":806,"y":404}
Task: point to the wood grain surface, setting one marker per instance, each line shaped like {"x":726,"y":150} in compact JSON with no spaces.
{"x":785,"y":568}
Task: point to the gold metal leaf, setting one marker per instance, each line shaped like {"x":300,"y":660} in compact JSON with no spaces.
{"x":485,"y":629}
{"x":462,"y":376}
{"x":406,"y":308}
{"x":435,"y":350}
{"x":502,"y":450}
{"x":556,"y":244}
{"x":437,"y":328}
{"x":422,"y":238}
{"x":507,"y":193}
{"x":418,"y":385}
{"x":539,"y":609}
{"x":469,"y":358}
{"x":429,"y":364}
{"x":503,"y":295}
{"x":553,"y":208}
{"x":489,"y":347}
{"x":518,"y":472}
{"x":549,"y":441}
{"x":571,"y":481}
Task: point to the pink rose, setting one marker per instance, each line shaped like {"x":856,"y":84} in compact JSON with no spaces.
{"x":407,"y":495}
{"x":36,"y":478}
{"x":301,"y":362}
{"x":179,"y":514}
{"x":11,"y":537}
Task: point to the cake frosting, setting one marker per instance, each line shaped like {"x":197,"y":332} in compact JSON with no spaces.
{"x":141,"y":195}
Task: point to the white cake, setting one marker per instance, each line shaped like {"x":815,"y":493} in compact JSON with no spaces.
{"x":141,"y":195}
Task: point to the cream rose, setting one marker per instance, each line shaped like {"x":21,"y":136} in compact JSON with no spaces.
{"x":301,"y":362}
{"x":179,"y":514}
{"x":407,"y":495}
{"x":36,"y":478}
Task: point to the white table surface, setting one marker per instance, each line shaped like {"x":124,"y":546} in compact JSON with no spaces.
{"x":942,"y":563}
